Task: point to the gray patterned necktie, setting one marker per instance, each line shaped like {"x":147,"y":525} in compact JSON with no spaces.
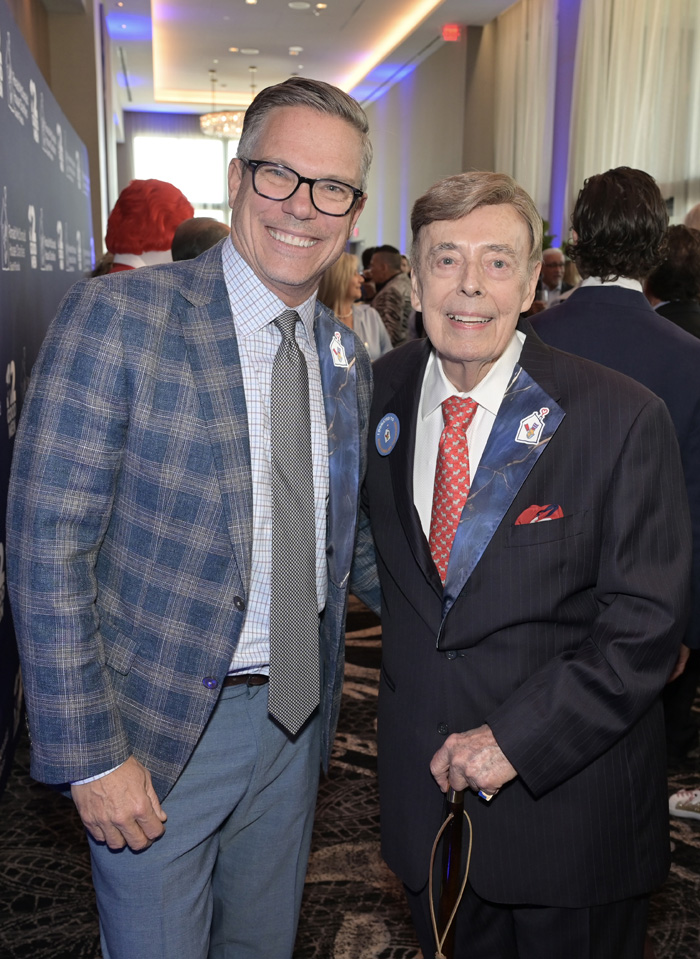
{"x":294,"y":636}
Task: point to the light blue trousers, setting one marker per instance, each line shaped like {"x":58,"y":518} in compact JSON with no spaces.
{"x":226,"y":879}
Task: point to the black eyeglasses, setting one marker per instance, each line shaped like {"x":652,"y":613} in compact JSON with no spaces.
{"x":277,"y":182}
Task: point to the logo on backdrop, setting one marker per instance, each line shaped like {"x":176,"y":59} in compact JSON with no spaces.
{"x":17,"y":97}
{"x":10,"y":377}
{"x":48,"y":137}
{"x":4,"y":232}
{"x":33,"y":249}
{"x":59,"y":146}
{"x":34,"y":106}
{"x":13,"y":239}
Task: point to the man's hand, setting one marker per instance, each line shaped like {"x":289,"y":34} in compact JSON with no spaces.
{"x":471,"y":760}
{"x":681,"y":663}
{"x":122,"y":808}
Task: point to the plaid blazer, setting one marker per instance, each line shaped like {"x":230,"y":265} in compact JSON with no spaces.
{"x":129,"y":525}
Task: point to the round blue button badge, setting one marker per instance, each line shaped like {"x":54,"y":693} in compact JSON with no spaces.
{"x":387,"y":433}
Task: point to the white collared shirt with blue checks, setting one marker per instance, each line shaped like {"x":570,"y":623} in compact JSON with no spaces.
{"x":254,"y":309}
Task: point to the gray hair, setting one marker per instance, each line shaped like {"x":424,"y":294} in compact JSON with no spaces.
{"x":304,"y":92}
{"x":456,"y":196}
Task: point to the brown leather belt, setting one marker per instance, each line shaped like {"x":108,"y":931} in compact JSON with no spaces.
{"x":246,"y":679}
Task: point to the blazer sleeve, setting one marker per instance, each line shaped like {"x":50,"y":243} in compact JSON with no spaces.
{"x":571,"y":711}
{"x":65,"y":466}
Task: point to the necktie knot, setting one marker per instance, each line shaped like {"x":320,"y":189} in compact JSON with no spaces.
{"x":286,"y":323}
{"x":458,"y":411}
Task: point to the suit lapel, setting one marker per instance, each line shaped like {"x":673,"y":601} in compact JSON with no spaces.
{"x":404,"y":405}
{"x":339,"y":383}
{"x":527,"y":419}
{"x":213,"y":352}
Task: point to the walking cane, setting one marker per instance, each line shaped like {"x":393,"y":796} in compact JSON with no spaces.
{"x":451,"y":889}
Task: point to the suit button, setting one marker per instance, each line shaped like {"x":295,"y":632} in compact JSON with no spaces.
{"x":210,"y":682}
{"x":443,"y":729}
{"x":451,"y":654}
{"x":238,"y":603}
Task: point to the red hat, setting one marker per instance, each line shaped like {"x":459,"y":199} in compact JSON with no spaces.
{"x":146,"y":216}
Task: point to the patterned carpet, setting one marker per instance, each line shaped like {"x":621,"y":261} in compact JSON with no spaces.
{"x":353,"y":906}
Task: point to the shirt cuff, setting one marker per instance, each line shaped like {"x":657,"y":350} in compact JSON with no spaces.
{"x":92,"y":779}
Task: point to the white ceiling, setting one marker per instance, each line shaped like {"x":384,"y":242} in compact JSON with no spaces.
{"x":163,"y":50}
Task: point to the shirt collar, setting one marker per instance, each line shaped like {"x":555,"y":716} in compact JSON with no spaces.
{"x":488,"y":393}
{"x":624,"y":281}
{"x":253,"y":305}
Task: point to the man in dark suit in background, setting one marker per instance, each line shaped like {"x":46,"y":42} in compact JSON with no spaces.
{"x":529,"y":628}
{"x":181,"y":525}
{"x":619,"y":228}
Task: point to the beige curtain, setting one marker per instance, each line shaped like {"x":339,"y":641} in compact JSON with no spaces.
{"x":526,"y":43}
{"x":636,"y":95}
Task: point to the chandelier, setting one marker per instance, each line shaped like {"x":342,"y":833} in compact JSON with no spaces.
{"x":227,"y":124}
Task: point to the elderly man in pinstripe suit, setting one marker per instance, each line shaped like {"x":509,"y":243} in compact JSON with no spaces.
{"x":140,"y":562}
{"x":530,"y":623}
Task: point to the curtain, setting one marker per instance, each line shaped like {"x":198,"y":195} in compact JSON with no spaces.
{"x":524,"y":95}
{"x":636,"y":98}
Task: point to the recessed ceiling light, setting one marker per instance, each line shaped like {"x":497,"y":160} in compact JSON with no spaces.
{"x":251,"y":2}
{"x":298,"y":5}
{"x":295,"y":51}
{"x":321,"y":6}
{"x":233,"y":49}
{"x":249,"y":51}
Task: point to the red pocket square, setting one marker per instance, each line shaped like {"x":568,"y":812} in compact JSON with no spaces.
{"x":538,"y":514}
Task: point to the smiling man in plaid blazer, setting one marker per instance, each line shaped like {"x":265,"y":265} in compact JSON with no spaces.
{"x":139,"y":545}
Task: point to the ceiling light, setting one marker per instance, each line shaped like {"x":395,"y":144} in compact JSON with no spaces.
{"x":233,"y":49}
{"x":249,"y":51}
{"x":251,"y":2}
{"x":295,"y":51}
{"x":298,"y":5}
{"x":321,"y":6}
{"x":227,"y":124}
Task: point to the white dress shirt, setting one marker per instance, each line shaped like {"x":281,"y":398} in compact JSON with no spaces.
{"x":254,"y":308}
{"x":435,"y":390}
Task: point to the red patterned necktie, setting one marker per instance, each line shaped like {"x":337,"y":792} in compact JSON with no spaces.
{"x":452,"y":479}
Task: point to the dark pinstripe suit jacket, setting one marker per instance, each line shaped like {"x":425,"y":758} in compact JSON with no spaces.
{"x":130,"y":518}
{"x":559,"y":634}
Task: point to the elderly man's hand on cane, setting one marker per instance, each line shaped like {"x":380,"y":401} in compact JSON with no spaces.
{"x":472,"y":760}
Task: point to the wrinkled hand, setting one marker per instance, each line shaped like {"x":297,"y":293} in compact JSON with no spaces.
{"x":122,"y":808}
{"x":681,"y":663}
{"x":471,"y":760}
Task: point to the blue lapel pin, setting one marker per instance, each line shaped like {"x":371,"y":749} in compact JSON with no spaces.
{"x":387,"y":433}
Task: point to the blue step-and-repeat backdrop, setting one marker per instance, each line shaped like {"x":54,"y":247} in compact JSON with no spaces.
{"x":46,"y":244}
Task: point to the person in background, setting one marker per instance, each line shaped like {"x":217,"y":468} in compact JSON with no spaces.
{"x":551,"y":285}
{"x":673,"y":287}
{"x":341,"y":290}
{"x":619,"y":228}
{"x":181,"y":521}
{"x":141,"y":227}
{"x":369,"y":290}
{"x":393,"y":298}
{"x":196,"y":235}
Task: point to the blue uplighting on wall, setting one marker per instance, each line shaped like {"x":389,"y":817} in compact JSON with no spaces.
{"x":380,"y":79}
{"x":128,"y":26}
{"x":566,"y":55}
